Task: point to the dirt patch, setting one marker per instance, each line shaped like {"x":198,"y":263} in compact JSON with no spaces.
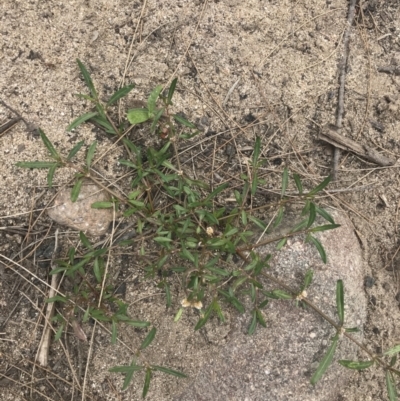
{"x":281,"y":59}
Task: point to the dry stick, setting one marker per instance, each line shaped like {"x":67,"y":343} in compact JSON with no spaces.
{"x":103,"y":284}
{"x":342,"y":80}
{"x":330,"y":134}
{"x":44,"y":346}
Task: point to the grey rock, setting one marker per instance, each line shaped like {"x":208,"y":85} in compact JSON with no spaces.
{"x":277,"y":363}
{"x":79,"y":215}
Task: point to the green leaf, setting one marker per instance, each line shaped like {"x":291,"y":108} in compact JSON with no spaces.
{"x":102,"y":205}
{"x":90,"y":154}
{"x":352,"y":330}
{"x":138,"y":323}
{"x":87,"y":78}
{"x":120,"y":93}
{"x":128,"y":370}
{"x":183,"y":121}
{"x":151,"y":102}
{"x":81,"y":119}
{"x":169,"y":371}
{"x":285,"y":181}
{"x":156,"y":118}
{"x":392,"y":351}
{"x":50,"y":174}
{"x":320,"y":187}
{"x":217,"y":191}
{"x":260,"y":318}
{"x":280,"y":294}
{"x":147,"y":379}
{"x":149,"y":338}
{"x":75,"y":150}
{"x":171,"y":91}
{"x":253,"y":324}
{"x":97,"y":269}
{"x":307,"y":279}
{"x":49,"y":145}
{"x":326,"y":361}
{"x":257,"y":151}
{"x":76,"y":189}
{"x":279,"y":217}
{"x":301,"y":226}
{"x":312,"y":215}
{"x":340,"y":301}
{"x":85,"y":240}
{"x":137,"y":116}
{"x":162,"y":239}
{"x":202,"y":321}
{"x":324,"y":214}
{"x":103,"y":122}
{"x":35,"y":164}
{"x":391,"y":388}
{"x":319,"y":247}
{"x":254,"y":184}
{"x":281,"y":243}
{"x":298,"y":183}
{"x":57,"y":298}
{"x":114,"y":332}
{"x":324,"y":228}
{"x":59,"y":332}
{"x":357,"y":365}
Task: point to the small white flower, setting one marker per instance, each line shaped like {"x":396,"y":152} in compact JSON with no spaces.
{"x":210,"y":231}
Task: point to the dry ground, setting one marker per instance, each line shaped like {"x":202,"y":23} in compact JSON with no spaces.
{"x":282,"y":60}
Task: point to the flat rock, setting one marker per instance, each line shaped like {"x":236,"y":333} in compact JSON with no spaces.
{"x":277,"y":363}
{"x":80,"y":215}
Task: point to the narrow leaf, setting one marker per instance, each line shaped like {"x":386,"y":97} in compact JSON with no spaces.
{"x":59,"y":332}
{"x":357,"y":365}
{"x":260,"y":318}
{"x":308,"y":279}
{"x":256,"y":152}
{"x":102,"y":205}
{"x":147,"y":379}
{"x":149,"y":338}
{"x":81,"y":119}
{"x":75,"y":150}
{"x":85,"y":240}
{"x":76,"y":189}
{"x":320,"y":187}
{"x":319,"y":247}
{"x":183,"y":121}
{"x":169,"y":371}
{"x":391,"y":388}
{"x":298,"y":183}
{"x":87,"y":78}
{"x":324,"y":228}
{"x":114,"y":332}
{"x":312,"y":215}
{"x":50,"y":174}
{"x":90,"y":154}
{"x":151,"y":102}
{"x":285,"y":181}
{"x":326,"y":361}
{"x":35,"y":164}
{"x":324,"y":214}
{"x":394,"y":350}
{"x":253,"y":324}
{"x":120,"y":93}
{"x":171,"y":91}
{"x":340,"y":300}
{"x":49,"y":145}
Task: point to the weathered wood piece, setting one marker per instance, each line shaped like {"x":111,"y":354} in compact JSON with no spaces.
{"x":330,"y":134}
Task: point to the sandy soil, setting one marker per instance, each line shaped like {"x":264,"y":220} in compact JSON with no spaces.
{"x":282,"y":60}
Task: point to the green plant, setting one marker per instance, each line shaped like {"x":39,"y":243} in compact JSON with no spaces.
{"x":195,"y":235}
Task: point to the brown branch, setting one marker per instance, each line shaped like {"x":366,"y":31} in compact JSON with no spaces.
{"x":342,"y":80}
{"x":330,"y":134}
